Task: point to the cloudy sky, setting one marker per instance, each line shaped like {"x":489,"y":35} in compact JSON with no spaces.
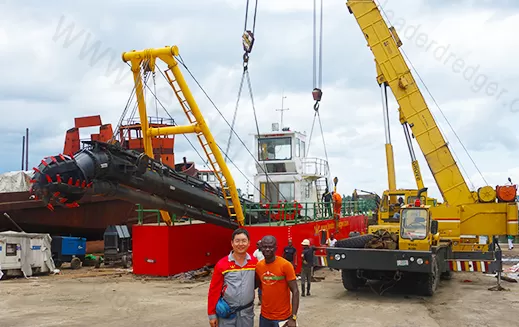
{"x":62,"y":60}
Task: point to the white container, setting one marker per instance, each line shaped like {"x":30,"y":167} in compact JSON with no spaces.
{"x":25,"y":254}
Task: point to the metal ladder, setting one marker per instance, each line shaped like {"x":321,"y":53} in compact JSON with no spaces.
{"x":205,"y":145}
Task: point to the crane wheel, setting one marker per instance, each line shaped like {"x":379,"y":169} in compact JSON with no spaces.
{"x":350,"y":281}
{"x":432,"y":280}
{"x":354,"y":242}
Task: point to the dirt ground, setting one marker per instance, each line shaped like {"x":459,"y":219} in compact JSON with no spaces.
{"x":86,"y":297}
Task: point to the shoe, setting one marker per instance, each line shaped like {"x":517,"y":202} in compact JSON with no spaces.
{"x":307,"y":293}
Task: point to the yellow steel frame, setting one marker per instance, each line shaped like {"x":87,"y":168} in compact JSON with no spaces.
{"x":197,"y":125}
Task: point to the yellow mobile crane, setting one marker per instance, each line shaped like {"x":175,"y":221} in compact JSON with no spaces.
{"x":432,"y":241}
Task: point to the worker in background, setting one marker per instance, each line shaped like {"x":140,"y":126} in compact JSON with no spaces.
{"x":337,"y":204}
{"x":307,"y":267}
{"x":259,"y":256}
{"x":510,"y":242}
{"x":277,"y":280}
{"x":331,"y":241}
{"x":231,"y":292}
{"x":289,"y":253}
{"x":327,"y":199}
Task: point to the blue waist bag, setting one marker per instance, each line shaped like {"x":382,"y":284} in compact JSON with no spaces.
{"x":223,"y":309}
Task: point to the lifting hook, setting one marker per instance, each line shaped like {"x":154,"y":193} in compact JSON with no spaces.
{"x":317,"y":94}
{"x":245,"y":61}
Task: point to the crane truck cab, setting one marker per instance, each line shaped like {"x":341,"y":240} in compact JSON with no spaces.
{"x":418,"y":254}
{"x":418,"y":231}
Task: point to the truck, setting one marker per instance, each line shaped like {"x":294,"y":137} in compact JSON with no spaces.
{"x":424,"y":243}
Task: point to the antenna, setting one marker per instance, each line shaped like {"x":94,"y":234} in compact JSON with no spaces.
{"x":282,"y":109}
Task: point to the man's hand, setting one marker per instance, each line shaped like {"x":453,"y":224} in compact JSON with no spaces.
{"x":290,"y":323}
{"x":214,"y":322}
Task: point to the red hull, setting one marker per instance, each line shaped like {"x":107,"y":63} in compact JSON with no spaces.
{"x":166,"y":251}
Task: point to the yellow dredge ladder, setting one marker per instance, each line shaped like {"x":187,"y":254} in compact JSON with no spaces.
{"x":211,"y":158}
{"x":197,"y":122}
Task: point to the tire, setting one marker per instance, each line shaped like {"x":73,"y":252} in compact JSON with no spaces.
{"x":432,"y":280}
{"x":352,"y":234}
{"x":350,"y":281}
{"x":355,"y":242}
{"x":75,"y":263}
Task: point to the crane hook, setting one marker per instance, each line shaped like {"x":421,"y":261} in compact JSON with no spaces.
{"x":245,"y":61}
{"x":317,"y":94}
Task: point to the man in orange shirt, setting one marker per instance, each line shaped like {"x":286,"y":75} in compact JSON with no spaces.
{"x":277,"y":280}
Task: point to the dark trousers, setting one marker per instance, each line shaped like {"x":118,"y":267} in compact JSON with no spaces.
{"x":328,"y":208}
{"x":306,"y":278}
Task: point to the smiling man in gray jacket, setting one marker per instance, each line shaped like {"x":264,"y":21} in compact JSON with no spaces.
{"x":231,"y":292}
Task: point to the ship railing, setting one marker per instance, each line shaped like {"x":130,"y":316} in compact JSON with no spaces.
{"x":315,"y":167}
{"x":291,"y":213}
{"x":151,"y":120}
{"x":147,"y":214}
{"x":276,"y":213}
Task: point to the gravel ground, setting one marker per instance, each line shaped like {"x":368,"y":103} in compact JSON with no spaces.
{"x":106,"y":297}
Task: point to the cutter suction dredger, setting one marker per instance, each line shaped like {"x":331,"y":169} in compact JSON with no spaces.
{"x":110,"y":170}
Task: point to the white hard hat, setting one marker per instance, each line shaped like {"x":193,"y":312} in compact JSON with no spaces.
{"x":305,"y":242}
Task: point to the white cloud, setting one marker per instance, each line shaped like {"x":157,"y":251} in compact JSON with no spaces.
{"x":47,"y":84}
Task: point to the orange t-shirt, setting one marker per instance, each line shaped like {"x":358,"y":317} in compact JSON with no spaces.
{"x":274,"y":277}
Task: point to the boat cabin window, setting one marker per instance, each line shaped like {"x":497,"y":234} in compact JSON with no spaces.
{"x":279,"y":148}
{"x":300,"y":148}
{"x":277,"y":192}
{"x":413,"y":224}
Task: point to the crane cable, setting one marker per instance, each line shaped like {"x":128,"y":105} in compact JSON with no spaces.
{"x":247,"y":42}
{"x":181,"y":61}
{"x":318,"y":78}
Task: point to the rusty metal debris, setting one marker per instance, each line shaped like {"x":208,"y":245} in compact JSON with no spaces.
{"x":194,"y":274}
